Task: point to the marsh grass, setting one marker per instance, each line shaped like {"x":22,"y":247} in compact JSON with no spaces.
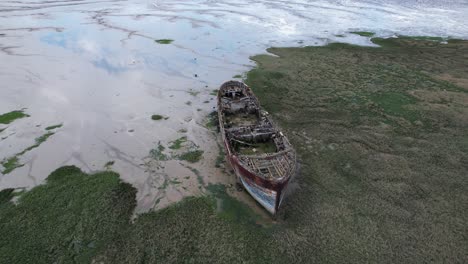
{"x":354,"y":115}
{"x":82,"y":218}
{"x":73,"y":214}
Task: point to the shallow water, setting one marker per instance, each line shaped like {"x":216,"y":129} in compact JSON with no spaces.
{"x":95,"y":67}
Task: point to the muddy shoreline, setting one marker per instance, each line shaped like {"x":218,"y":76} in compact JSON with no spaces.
{"x":123,"y":90}
{"x":104,"y":68}
{"x":376,"y":173}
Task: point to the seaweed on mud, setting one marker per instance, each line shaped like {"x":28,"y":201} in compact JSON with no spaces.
{"x":177,"y":144}
{"x":175,"y":181}
{"x":157,"y":117}
{"x":9,"y":117}
{"x":164,"y":185}
{"x":220,"y":159}
{"x":200,"y":180}
{"x":212,"y":120}
{"x":53,"y":127}
{"x":109,"y":164}
{"x":191,"y":156}
{"x":193,"y":93}
{"x":157,"y":153}
{"x":363,"y":33}
{"x":39,"y":140}
{"x":12,"y":163}
{"x":164,"y":41}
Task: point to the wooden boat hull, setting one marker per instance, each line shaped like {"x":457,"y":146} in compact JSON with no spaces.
{"x":269,"y":195}
{"x":267,"y":192}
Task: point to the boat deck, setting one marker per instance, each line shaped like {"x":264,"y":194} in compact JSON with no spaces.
{"x":271,"y":167}
{"x":241,"y":120}
{"x":260,"y":146}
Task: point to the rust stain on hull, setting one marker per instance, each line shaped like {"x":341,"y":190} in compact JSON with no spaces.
{"x":261,"y":156}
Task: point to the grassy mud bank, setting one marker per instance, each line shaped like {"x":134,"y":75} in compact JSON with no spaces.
{"x":381,"y":137}
{"x":80,"y":218}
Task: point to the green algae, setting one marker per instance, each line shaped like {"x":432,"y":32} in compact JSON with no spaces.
{"x":363,"y":33}
{"x":53,"y":127}
{"x":9,"y":117}
{"x":158,"y":152}
{"x":164,"y":41}
{"x":177,"y":144}
{"x":11,"y":163}
{"x":192,"y":156}
{"x":157,"y":117}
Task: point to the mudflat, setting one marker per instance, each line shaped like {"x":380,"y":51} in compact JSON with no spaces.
{"x":381,"y":138}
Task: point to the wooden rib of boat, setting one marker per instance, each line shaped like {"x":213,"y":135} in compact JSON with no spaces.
{"x":261,"y":156}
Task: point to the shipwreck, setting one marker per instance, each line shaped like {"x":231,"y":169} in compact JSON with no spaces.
{"x":259,"y":153}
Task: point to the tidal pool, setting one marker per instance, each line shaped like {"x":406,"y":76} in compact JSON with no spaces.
{"x":102,"y":69}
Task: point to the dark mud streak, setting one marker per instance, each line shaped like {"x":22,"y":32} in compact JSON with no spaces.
{"x":99,"y":19}
{"x":32,"y":29}
{"x":58,"y":5}
{"x":168,"y":17}
{"x":8,"y":51}
{"x":30,"y":167}
{"x":120,"y":155}
{"x":43,"y":2}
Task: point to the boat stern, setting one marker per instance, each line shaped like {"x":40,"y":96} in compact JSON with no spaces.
{"x":269,"y":199}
